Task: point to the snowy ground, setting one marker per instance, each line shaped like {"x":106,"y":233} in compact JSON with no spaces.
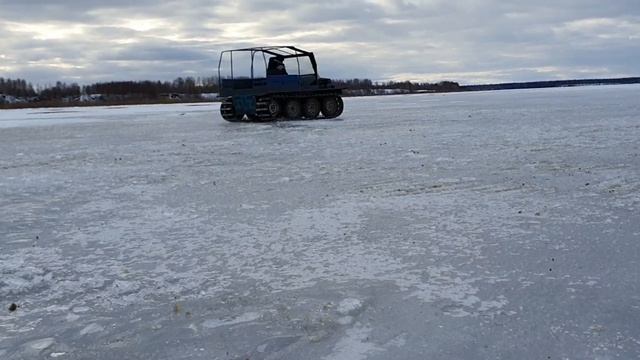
{"x":462,"y":226}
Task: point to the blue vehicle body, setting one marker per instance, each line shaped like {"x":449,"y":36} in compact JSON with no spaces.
{"x":275,"y":82}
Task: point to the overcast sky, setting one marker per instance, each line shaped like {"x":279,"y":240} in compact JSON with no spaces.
{"x":469,"y":41}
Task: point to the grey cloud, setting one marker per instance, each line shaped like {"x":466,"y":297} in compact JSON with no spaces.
{"x":146,"y":52}
{"x":466,"y":41}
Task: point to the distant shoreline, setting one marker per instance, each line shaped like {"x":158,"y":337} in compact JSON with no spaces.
{"x":550,"y":84}
{"x":60,"y":104}
{"x":348,"y":93}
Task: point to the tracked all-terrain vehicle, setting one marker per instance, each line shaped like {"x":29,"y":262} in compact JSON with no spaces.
{"x":269,"y":83}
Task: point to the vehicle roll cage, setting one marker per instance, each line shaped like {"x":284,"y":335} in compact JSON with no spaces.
{"x":284,"y":52}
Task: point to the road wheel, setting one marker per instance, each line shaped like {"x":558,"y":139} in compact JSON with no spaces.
{"x":274,"y":109}
{"x":332,"y":106}
{"x":311,"y":108}
{"x":292,"y":109}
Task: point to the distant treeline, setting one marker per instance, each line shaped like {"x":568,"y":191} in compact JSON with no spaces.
{"x":367,"y":87}
{"x":186,"y":86}
{"x":19,"y":88}
{"x":153,"y":89}
{"x":19,"y":93}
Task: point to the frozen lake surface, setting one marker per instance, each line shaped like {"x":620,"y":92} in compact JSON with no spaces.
{"x":490,"y":225}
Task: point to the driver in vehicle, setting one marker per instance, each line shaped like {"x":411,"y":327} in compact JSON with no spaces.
{"x":276,"y":66}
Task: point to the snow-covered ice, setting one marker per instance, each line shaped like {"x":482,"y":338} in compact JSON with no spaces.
{"x":441,"y":226}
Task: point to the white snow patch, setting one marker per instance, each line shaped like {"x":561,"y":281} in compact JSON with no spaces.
{"x":345,"y":320}
{"x":40,"y":344}
{"x":193,"y":328}
{"x":355,"y":345}
{"x":246,"y":317}
{"x":122,"y":287}
{"x":492,"y":305}
{"x":71,"y":317}
{"x":91,"y":329}
{"x":349,"y":307}
{"x":398,"y":341}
